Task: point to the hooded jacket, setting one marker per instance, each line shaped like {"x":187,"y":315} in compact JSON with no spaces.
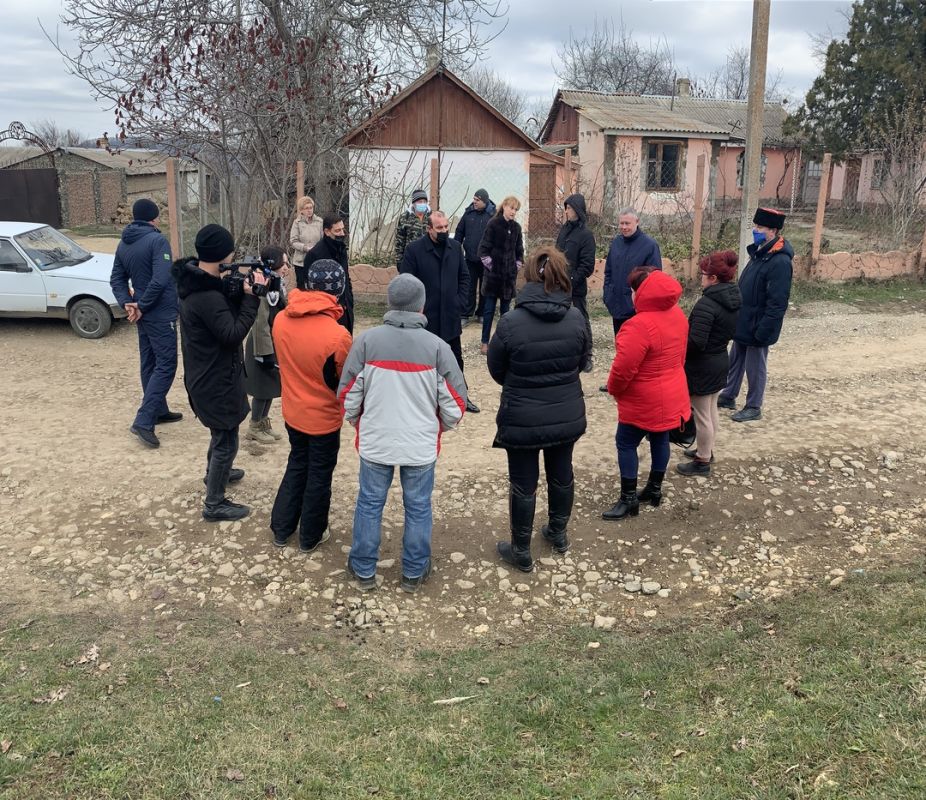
{"x":627,"y":252}
{"x":765,"y":286}
{"x":445,"y":276}
{"x":400,"y":389}
{"x":503,"y":244}
{"x":536,"y":354}
{"x":408,"y":229}
{"x":648,"y":372}
{"x":143,"y":257}
{"x":711,"y":324}
{"x":212,"y":329}
{"x":471,"y":227}
{"x":577,"y":242}
{"x":311,"y":348}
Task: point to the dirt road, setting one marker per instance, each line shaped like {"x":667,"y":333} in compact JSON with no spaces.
{"x":829,"y":481}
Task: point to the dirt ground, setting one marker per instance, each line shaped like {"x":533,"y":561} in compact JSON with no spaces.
{"x":827,"y":483}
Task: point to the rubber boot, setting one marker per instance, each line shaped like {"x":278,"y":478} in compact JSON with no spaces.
{"x":517,"y":553}
{"x":652,"y":492}
{"x":560,"y":507}
{"x":628,"y":505}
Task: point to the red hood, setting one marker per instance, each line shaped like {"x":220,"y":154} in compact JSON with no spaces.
{"x":301,"y":303}
{"x":658,"y":292}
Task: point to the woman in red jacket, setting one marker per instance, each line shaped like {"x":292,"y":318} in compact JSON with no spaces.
{"x":648,"y":381}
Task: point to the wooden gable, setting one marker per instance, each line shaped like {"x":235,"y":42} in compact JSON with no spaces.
{"x":439,"y":110}
{"x":562,"y":124}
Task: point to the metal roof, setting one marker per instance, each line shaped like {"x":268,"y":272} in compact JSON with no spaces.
{"x":719,"y":119}
{"x":133,"y":161}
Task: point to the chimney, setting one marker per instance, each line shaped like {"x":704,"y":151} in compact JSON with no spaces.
{"x":103,"y":142}
{"x":683,"y":87}
{"x":432,"y":57}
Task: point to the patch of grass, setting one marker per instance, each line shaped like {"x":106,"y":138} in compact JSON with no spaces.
{"x":107,"y":231}
{"x":823,"y":696}
{"x":868,"y":294}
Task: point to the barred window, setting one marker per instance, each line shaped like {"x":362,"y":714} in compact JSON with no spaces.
{"x":663,"y":166}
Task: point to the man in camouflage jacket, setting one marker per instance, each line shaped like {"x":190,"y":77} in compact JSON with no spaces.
{"x":412,"y":224}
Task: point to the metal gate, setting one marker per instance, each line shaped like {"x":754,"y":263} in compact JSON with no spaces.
{"x":30,"y":195}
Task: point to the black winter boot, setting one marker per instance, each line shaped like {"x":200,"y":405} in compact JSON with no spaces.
{"x":518,"y":552}
{"x":652,"y":492}
{"x":628,"y":505}
{"x":560,"y":506}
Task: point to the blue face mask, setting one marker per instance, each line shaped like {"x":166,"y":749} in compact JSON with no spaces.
{"x":759,"y":238}
{"x":421,"y":208}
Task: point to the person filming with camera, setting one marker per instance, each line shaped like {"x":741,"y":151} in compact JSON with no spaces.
{"x":216,"y":313}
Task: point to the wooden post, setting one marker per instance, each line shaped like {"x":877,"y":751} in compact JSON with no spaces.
{"x":300,"y":180}
{"x":173,"y":207}
{"x":203,"y":198}
{"x":921,"y":271}
{"x":821,"y":208}
{"x":698,"y":214}
{"x":435,"y":184}
{"x":567,"y":167}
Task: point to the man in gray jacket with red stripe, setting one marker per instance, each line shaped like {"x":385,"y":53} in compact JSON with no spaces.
{"x":401,"y":388}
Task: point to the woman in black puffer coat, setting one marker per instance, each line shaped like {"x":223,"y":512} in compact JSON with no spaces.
{"x":711,"y":326}
{"x":537,"y":353}
{"x":501,"y":252}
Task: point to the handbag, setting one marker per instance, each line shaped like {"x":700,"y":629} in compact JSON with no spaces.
{"x":685,"y":434}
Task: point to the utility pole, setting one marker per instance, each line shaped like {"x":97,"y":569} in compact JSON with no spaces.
{"x":755,"y":111}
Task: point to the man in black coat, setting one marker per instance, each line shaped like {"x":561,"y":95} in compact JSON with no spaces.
{"x":765,"y":286}
{"x":333,"y":245}
{"x":578,"y":244}
{"x":143,"y":257}
{"x":214,"y":322}
{"x":437,"y":261}
{"x":470,"y":228}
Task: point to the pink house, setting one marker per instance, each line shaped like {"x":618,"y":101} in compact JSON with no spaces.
{"x":642,"y":150}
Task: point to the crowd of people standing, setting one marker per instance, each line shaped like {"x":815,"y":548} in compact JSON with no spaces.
{"x":401,"y":384}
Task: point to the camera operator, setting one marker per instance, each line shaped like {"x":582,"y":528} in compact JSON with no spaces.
{"x":215,"y":317}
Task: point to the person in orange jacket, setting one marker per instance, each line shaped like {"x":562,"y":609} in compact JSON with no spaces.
{"x":311,"y":348}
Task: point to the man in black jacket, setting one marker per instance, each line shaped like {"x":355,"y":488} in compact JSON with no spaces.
{"x":213,"y":323}
{"x":143,"y":257}
{"x":437,"y":261}
{"x":578,"y":243}
{"x":333,"y":245}
{"x":470,"y":228}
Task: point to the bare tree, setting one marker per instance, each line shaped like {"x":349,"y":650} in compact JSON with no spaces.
{"x":731,"y":81}
{"x":498,"y":92}
{"x":902,"y":180}
{"x":56,"y":136}
{"x":248,"y":87}
{"x":609,"y":59}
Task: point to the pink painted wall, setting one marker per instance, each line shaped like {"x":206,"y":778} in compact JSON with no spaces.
{"x":725,"y":176}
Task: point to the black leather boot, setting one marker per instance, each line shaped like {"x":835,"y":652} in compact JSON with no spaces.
{"x":628,"y":505}
{"x":652,"y":492}
{"x":517,"y":553}
{"x":560,"y":506}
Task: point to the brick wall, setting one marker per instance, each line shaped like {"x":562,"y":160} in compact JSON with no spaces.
{"x":78,"y":199}
{"x":111,"y":192}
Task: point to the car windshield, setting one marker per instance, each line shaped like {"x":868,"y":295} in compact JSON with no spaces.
{"x":50,"y":249}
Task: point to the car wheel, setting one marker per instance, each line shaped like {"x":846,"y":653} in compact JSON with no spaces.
{"x":90,"y":318}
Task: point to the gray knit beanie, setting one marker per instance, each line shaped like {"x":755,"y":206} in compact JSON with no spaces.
{"x":405,"y":293}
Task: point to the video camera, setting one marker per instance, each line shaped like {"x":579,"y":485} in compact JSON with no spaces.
{"x":234,"y":280}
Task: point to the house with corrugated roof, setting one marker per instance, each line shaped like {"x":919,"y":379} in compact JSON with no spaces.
{"x":642,"y":151}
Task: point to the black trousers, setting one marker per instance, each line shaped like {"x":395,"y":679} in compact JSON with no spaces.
{"x":524,"y":467}
{"x":223,"y":447}
{"x":618,"y":322}
{"x":475,"y":301}
{"x":456,"y":348}
{"x":304,"y":496}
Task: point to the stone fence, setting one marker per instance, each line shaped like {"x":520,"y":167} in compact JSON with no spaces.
{"x":370,"y":283}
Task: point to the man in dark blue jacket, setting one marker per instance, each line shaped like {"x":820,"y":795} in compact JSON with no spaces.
{"x":630,"y":248}
{"x":143,"y":257}
{"x":469,"y":233}
{"x":765,"y":286}
{"x":437,"y":261}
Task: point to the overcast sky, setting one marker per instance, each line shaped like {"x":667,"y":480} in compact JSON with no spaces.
{"x":34,"y":83}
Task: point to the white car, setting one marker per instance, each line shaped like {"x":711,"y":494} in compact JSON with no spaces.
{"x":43,"y":273}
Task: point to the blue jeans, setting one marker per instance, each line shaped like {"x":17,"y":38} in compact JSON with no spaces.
{"x":417,"y":485}
{"x":489,"y":315}
{"x":628,"y":440}
{"x":157,"y":346}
